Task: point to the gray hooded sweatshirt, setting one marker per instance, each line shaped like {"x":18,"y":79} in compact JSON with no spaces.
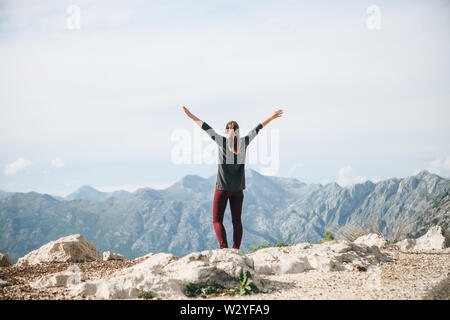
{"x":231,"y":166}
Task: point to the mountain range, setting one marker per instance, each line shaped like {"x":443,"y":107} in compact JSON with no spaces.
{"x":178,"y":219}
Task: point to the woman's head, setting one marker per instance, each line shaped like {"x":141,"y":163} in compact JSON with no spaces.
{"x":232,"y":125}
{"x":232,"y":132}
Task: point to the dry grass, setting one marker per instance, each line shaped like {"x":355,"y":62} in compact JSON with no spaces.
{"x":393,"y":233}
{"x":351,"y":232}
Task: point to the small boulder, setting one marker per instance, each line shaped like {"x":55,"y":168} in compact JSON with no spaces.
{"x":280,"y":260}
{"x":336,"y":255}
{"x":4,"y":260}
{"x":108,"y":255}
{"x":167,"y":275}
{"x":435,"y":239}
{"x":73,"y":248}
{"x":72,"y":276}
{"x":371,"y":239}
{"x":406,"y":244}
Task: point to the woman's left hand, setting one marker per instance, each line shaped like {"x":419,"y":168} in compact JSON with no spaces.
{"x":277,"y":114}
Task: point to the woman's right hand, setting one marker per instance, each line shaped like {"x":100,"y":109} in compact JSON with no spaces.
{"x":190,"y":115}
{"x":187,"y":111}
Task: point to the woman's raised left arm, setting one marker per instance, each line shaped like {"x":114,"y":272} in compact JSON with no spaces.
{"x":275,"y":115}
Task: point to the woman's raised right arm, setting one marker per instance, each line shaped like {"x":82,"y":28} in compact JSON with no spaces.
{"x":190,"y":115}
{"x":210,"y":131}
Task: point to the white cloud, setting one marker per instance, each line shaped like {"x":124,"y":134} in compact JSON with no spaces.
{"x":375,"y":179}
{"x":359,"y":179}
{"x":293,"y":168}
{"x":57,"y":163}
{"x":17,"y":166}
{"x":346,"y":177}
{"x":440,"y":167}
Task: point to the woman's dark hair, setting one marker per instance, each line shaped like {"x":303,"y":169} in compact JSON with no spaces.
{"x":233,"y":125}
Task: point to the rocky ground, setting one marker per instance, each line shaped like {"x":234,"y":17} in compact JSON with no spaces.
{"x":18,"y":278}
{"x":411,"y":275}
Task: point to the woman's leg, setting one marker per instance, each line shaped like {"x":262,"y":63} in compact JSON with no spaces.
{"x":219,"y":206}
{"x":236,"y":200}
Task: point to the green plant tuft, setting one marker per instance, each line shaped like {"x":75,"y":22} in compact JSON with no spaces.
{"x":146,"y":294}
{"x":246,"y":285}
{"x":194,"y":289}
{"x":328,"y":236}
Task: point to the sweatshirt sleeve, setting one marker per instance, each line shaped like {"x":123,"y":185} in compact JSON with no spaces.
{"x":213,"y":134}
{"x":252,"y":134}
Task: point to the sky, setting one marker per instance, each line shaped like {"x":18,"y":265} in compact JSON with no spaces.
{"x":91,"y":91}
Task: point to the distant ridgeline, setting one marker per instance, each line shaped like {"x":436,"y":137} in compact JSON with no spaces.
{"x":178,"y":219}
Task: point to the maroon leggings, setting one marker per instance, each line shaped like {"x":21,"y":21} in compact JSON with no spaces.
{"x":219,"y":206}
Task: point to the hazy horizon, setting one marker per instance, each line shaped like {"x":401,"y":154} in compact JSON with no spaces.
{"x":133,"y":189}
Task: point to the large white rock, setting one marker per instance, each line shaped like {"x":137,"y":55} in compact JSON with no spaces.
{"x":108,"y":255}
{"x":436,"y":238}
{"x":213,"y":266}
{"x":336,"y":255}
{"x":70,"y":277}
{"x":278,"y":260}
{"x":73,"y":248}
{"x":371,"y":239}
{"x":4,"y":260}
{"x":167,"y":276}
